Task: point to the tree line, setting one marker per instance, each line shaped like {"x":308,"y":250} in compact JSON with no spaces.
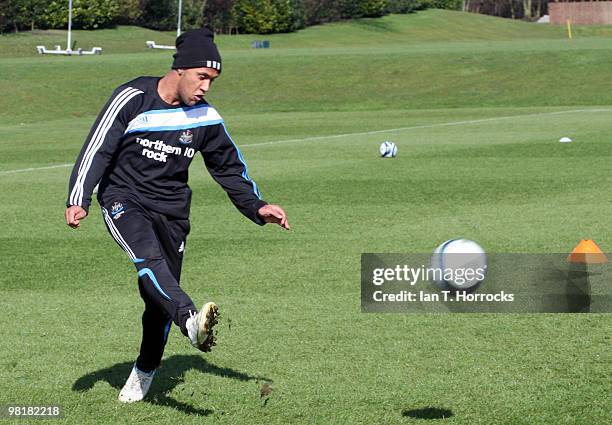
{"x":236,"y":16}
{"x":223,"y":16}
{"x":515,"y":9}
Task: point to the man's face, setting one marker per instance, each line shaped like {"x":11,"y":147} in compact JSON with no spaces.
{"x":194,"y":83}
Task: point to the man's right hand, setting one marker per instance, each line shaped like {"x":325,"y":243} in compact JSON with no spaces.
{"x":74,"y":215}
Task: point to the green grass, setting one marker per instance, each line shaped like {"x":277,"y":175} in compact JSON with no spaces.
{"x":434,"y":25}
{"x":477,"y":123}
{"x":271,"y":81}
{"x":418,"y":61}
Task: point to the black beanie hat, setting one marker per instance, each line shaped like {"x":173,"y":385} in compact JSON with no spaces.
{"x":195,"y":49}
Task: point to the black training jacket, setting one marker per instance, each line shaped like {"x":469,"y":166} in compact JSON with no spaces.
{"x":141,"y":147}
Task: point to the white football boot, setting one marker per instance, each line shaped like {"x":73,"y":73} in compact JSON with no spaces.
{"x":200,"y":327}
{"x":137,"y":386}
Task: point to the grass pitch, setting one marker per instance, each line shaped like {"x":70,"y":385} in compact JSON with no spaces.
{"x":476,"y":123}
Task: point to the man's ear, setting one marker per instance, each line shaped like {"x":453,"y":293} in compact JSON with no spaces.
{"x":180,"y":71}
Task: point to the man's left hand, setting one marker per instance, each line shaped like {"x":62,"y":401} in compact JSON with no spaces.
{"x":274,"y":214}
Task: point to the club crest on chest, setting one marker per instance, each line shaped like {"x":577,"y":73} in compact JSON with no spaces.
{"x":186,"y":137}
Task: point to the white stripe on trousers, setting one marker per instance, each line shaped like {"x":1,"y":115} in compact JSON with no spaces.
{"x":116,"y":235}
{"x":76,"y":196}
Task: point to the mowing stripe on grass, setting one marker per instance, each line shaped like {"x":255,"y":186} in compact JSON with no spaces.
{"x":362,"y":133}
{"x":418,"y":127}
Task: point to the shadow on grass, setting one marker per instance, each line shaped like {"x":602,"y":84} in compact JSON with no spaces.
{"x":170,"y":374}
{"x":427,"y":413}
{"x":378,"y":25}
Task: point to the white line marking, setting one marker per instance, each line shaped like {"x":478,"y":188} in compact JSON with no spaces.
{"x":364,"y":133}
{"x":25,"y":170}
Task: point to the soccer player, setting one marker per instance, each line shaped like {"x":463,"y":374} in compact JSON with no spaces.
{"x":139,"y":150}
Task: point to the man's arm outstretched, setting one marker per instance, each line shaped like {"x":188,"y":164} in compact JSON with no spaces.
{"x":228,"y":168}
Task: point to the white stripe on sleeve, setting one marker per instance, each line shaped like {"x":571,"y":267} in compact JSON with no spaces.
{"x":76,"y":195}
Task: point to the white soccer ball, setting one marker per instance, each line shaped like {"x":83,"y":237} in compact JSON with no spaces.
{"x":565,"y":140}
{"x":388,"y":149}
{"x":459,"y":264}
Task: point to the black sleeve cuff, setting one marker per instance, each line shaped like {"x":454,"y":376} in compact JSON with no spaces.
{"x":85,"y":207}
{"x":256,"y":206}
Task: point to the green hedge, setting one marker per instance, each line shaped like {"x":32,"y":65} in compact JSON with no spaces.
{"x":264,"y":16}
{"x":86,"y":14}
{"x":243,"y":16}
{"x":442,"y":4}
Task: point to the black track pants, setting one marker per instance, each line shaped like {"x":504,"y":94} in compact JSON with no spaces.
{"x":155,"y":244}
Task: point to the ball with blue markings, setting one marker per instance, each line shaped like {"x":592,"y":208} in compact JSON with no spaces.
{"x":459,"y":264}
{"x":388,"y":149}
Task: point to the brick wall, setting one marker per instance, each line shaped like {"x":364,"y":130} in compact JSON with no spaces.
{"x":581,"y":13}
